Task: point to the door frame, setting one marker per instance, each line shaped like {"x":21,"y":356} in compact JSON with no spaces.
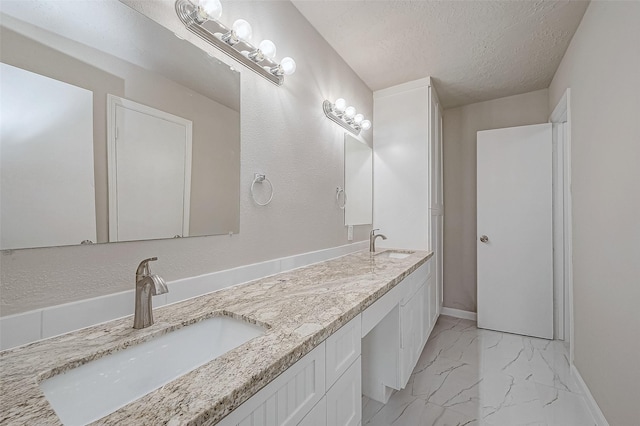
{"x":562,"y":115}
{"x":112,"y":133}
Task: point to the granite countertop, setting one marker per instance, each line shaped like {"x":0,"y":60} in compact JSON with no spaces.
{"x":300,"y":309}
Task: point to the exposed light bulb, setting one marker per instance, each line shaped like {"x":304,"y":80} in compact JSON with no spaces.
{"x":267,"y":48}
{"x":340,"y":105}
{"x":350,"y":112}
{"x":209,"y":9}
{"x":358,"y":118}
{"x":366,"y":125}
{"x":288,"y":66}
{"x":242,"y":29}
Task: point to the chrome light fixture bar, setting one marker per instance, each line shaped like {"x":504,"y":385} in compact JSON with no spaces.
{"x":345,"y":116}
{"x":233,"y":41}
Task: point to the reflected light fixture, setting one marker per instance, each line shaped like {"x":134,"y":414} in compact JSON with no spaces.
{"x":346,"y":116}
{"x":234,"y":41}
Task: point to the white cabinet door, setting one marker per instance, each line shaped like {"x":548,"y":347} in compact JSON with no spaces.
{"x":343,"y":347}
{"x":288,"y":398}
{"x":420,"y":329}
{"x":412,"y":331}
{"x":427,"y":311}
{"x":433,"y":300}
{"x":436,"y":201}
{"x":344,"y":399}
{"x":317,"y":416}
{"x":401,"y":165}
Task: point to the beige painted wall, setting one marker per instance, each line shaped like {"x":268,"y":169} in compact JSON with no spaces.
{"x":602,"y":68}
{"x":460,"y":129}
{"x":284,"y":134}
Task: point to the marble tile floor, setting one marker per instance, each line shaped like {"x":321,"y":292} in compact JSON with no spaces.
{"x":474,"y":377}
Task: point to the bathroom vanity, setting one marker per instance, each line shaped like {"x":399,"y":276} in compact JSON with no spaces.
{"x":328,"y":333}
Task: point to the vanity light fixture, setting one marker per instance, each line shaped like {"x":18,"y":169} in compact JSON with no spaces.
{"x":234,"y":41}
{"x":346,"y":116}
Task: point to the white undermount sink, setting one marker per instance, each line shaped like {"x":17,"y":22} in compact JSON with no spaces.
{"x":98,"y":388}
{"x":395,"y":254}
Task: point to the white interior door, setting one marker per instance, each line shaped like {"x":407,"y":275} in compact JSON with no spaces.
{"x":515,"y":261}
{"x":149,"y":172}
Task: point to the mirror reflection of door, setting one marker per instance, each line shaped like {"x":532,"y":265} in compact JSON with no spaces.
{"x":149,"y":172}
{"x":46,"y":143}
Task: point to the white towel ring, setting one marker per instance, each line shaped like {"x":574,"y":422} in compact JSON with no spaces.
{"x":340,"y":190}
{"x":260,"y":178}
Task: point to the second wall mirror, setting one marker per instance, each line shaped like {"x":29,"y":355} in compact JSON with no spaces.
{"x":358,"y":182}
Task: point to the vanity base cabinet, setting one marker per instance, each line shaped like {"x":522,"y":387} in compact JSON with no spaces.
{"x":372,"y":354}
{"x":391,"y":348}
{"x":344,"y":399}
{"x":412,"y":328}
{"x":317,"y":416}
{"x":432,"y":303}
{"x":322,"y":389}
{"x":408,"y":171}
{"x":342,"y":405}
{"x":343,"y":348}
{"x":288,"y":398}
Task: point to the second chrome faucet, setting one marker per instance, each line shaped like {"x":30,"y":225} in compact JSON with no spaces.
{"x":372,"y":239}
{"x":147,"y":285}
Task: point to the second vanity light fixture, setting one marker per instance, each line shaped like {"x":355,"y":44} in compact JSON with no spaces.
{"x":234,"y":41}
{"x":345,"y":116}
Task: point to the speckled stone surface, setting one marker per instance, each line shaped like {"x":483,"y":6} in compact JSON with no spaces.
{"x":300,"y":309}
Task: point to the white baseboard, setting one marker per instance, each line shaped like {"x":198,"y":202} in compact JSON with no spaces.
{"x":458,"y":313}
{"x":591,"y":402}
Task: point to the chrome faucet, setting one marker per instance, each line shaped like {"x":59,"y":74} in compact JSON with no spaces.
{"x":147,"y":285}
{"x":372,"y":239}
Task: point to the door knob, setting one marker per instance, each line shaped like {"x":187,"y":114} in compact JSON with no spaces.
{"x":484,"y":239}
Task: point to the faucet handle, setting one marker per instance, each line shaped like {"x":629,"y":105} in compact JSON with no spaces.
{"x":143,"y":267}
{"x":373,"y":231}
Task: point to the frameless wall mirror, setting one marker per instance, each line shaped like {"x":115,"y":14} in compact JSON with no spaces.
{"x":111,"y":129}
{"x":358,"y":181}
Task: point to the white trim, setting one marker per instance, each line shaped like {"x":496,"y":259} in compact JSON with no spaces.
{"x":562,"y":114}
{"x":597,"y":414}
{"x":458,"y":313}
{"x":114,"y":101}
{"x":410,"y":85}
{"x":27,"y":327}
{"x":559,"y":304}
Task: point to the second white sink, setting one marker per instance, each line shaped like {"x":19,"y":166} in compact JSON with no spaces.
{"x":98,"y":388}
{"x":395,"y":254}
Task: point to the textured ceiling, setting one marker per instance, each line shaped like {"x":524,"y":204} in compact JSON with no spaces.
{"x":474,"y":50}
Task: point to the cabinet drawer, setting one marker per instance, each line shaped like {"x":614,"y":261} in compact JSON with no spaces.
{"x":343,"y":347}
{"x":288,"y":398}
{"x":344,"y":399}
{"x":413,"y":282}
{"x":375,"y":313}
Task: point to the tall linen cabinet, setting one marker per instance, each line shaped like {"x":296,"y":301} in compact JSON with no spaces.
{"x":408,"y":204}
